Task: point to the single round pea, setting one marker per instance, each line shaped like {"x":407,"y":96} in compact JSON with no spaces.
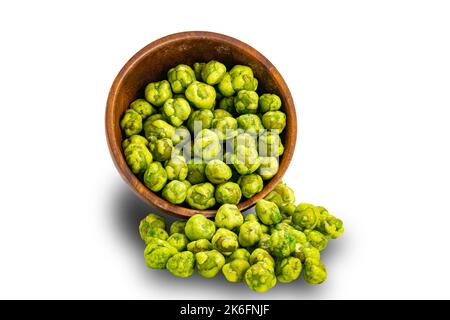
{"x":282,"y":244}
{"x":316,"y":239}
{"x":142,"y":107}
{"x":199,"y":246}
{"x":161,"y":149}
{"x":246,"y":102}
{"x":158,"y":129}
{"x":157,"y":253}
{"x":207,"y":145}
{"x":315,"y":271}
{"x":138,"y":157}
{"x":235,"y":270}
{"x":199,"y":120}
{"x":181,"y":264}
{"x":177,"y":168}
{"x":179,"y":241}
{"x":131,"y":123}
{"x":269,"y":102}
{"x":198,"y":67}
{"x":226,"y":128}
{"x":227,"y":104}
{"x":177,"y":227}
{"x":304,"y":251}
{"x":196,"y":171}
{"x":155,"y":177}
{"x":156,"y":233}
{"x":176,"y":111}
{"x":268,"y":168}
{"x":199,"y":227}
{"x":225,"y":241}
{"x":274,"y":121}
{"x":250,"y":123}
{"x":288,"y":269}
{"x":217,"y":171}
{"x":180,"y":77}
{"x":151,"y":221}
{"x":250,"y":185}
{"x":209,"y":263}
{"x":306,"y":216}
{"x":175,"y":192}
{"x":264,"y":242}
{"x":268,"y":212}
{"x":201,"y":196}
{"x":242,"y":78}
{"x":158,"y":92}
{"x":261,"y":255}
{"x":270,"y":145}
{"x":228,"y":193}
{"x":240,"y":253}
{"x":225,"y":86}
{"x":202,"y":95}
{"x":228,"y":216}
{"x":249,"y":233}
{"x":213,"y":72}
{"x":221,"y":113}
{"x":260,"y":277}
{"x":137,"y":139}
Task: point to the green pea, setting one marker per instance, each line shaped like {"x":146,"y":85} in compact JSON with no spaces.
{"x":158,"y":92}
{"x":131,"y":123}
{"x":180,"y":77}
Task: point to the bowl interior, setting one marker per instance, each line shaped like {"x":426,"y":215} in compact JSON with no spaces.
{"x":152,"y":63}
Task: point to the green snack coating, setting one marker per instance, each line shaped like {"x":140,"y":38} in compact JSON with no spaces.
{"x":176,"y":111}
{"x":246,"y":102}
{"x":228,"y":216}
{"x":217,"y":171}
{"x":131,"y":123}
{"x":240,"y":253}
{"x":201,"y":95}
{"x":228,"y":193}
{"x":250,"y":123}
{"x":246,"y":160}
{"x":181,"y":136}
{"x":213,"y":72}
{"x":181,"y":264}
{"x":157,"y":233}
{"x":158,"y":129}
{"x":209,"y":263}
{"x":225,"y":86}
{"x":157,"y":253}
{"x":199,"y":227}
{"x":221,"y":113}
{"x":134,"y":139}
{"x":329,"y":225}
{"x":151,"y":221}
{"x":158,"y":92}
{"x":251,"y":217}
{"x":264,"y":242}
{"x":316,"y":239}
{"x":235,"y":270}
{"x":175,"y":192}
{"x":142,"y":107}
{"x":227,"y":104}
{"x":261,"y":255}
{"x":250,"y":185}
{"x":201,"y":196}
{"x":199,"y":246}
{"x":225,"y":241}
{"x":265,"y":228}
{"x":306,"y":216}
{"x":196,"y":171}
{"x":249,"y":233}
{"x":177,"y":227}
{"x":199,"y":120}
{"x":269,"y":102}
{"x":274,"y":121}
{"x":260,"y":277}
{"x":304,"y":251}
{"x":177,"y":168}
{"x":282,"y":244}
{"x":161,"y":149}
{"x":242,"y":78}
{"x":314,"y":271}
{"x":268,"y":168}
{"x":288,"y":269}
{"x":268,"y":212}
{"x":207,"y":145}
{"x":281,"y":195}
{"x":138,"y":157}
{"x":270,"y":145}
{"x":155,"y":177}
{"x":179,"y":241}
{"x":198,"y":67}
{"x":226,"y":128}
{"x":288,"y":210}
{"x":180,"y":77}
{"x":244,"y":140}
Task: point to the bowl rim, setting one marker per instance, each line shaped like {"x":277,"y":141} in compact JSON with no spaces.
{"x":115,"y":146}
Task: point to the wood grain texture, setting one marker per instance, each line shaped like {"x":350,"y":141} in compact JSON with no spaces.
{"x":152,"y":63}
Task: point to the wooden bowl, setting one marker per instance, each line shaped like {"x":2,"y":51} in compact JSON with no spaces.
{"x":152,"y":63}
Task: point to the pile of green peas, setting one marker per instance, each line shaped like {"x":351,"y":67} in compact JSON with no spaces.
{"x":274,"y":245}
{"x":204,"y":137}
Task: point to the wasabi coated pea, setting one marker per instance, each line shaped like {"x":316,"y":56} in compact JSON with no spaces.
{"x":226,"y":128}
{"x":181,"y":136}
{"x":198,"y":67}
{"x":142,"y":107}
{"x":199,"y":120}
{"x":177,"y":227}
{"x":225,"y":241}
{"x":161,"y":149}
{"x":225,"y":86}
{"x":250,"y":185}
{"x":269,"y":102}
{"x":228,"y":216}
{"x":158,"y":129}
{"x":201,"y":95}
{"x":227,"y":104}
{"x":246,"y":160}
{"x":217,"y":171}
{"x":199,"y":246}
{"x":288,"y":269}
{"x":316,"y":239}
{"x":251,"y":217}
{"x":134,"y":139}
{"x":176,"y":111}
{"x":287,"y":211}
{"x":196,"y":171}
{"x":250,"y":123}
{"x":274,"y":121}
{"x":235,"y":270}
{"x":155,"y":177}
{"x":240,"y":253}
{"x":281,"y":195}
{"x":261,"y":255}
{"x":176,"y":168}
{"x":268,"y":168}
{"x":282,"y":244}
{"x":213,"y":72}
{"x":199,"y":227}
{"x":314,"y":271}
{"x":179,"y":241}
{"x":268,"y":212}
{"x":151,"y":221}
{"x":249,"y":233}
{"x":131,"y":123}
{"x":305,"y":251}
{"x":270,"y":145}
{"x":260,"y":277}
{"x":242,"y":78}
{"x":246,"y":102}
{"x":329,"y":225}
{"x":221,"y":113}
{"x":207,"y":145}
{"x":201,"y":196}
{"x":175,"y":192}
{"x":264,"y":242}
{"x":181,"y":264}
{"x":156,"y":233}
{"x":180,"y":77}
{"x":209,"y":263}
{"x":157,"y":253}
{"x":306,"y":216}
{"x":228,"y":193}
{"x":138,"y":157}
{"x":158,"y":92}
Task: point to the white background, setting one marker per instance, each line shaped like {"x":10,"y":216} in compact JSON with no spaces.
{"x":371,"y":82}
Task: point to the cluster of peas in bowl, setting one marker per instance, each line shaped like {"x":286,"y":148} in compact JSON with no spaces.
{"x":204,"y":136}
{"x":275,"y":244}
